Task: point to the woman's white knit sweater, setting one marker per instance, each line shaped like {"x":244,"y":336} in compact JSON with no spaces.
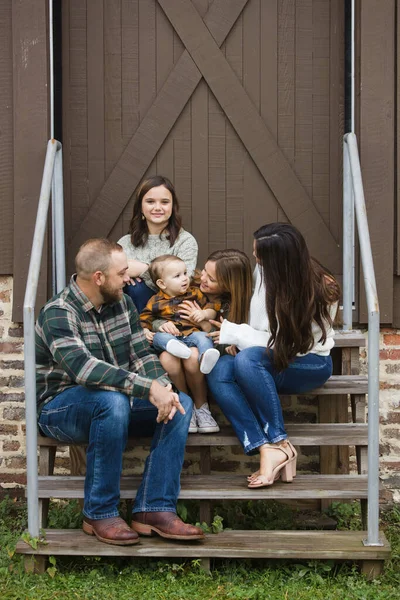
{"x":257,"y":332}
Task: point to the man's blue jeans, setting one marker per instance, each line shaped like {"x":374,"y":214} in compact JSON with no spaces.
{"x":197,"y":339}
{"x":103,"y":420}
{"x":246,"y":387}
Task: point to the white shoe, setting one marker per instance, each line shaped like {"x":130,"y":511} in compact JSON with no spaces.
{"x":208,"y":360}
{"x":178,"y":349}
{"x":205,"y":421}
{"x":193,"y":422}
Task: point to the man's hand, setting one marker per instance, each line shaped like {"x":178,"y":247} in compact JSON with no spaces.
{"x":170,"y":327}
{"x":165,"y":400}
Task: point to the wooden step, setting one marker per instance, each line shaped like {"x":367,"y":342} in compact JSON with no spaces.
{"x":338,"y":545}
{"x":341,"y":384}
{"x":223,"y":487}
{"x":349,"y":339}
{"x":302,"y":434}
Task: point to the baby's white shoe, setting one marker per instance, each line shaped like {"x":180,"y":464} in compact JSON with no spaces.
{"x":178,"y":349}
{"x":208,"y":360}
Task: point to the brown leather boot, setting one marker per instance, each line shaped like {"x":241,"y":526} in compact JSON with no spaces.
{"x":166,"y":524}
{"x":111,"y":531}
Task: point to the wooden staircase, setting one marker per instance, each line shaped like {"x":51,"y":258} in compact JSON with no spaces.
{"x":333,"y":435}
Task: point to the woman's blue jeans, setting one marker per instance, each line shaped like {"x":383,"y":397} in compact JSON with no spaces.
{"x":197,"y":339}
{"x":140,"y":294}
{"x":104,"y":420}
{"x":246,"y":387}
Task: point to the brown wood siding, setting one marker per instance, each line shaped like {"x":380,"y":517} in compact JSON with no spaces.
{"x":120,"y":56}
{"x":95,"y":98}
{"x":377,"y":127}
{"x":31,"y":133}
{"x":336,"y":114}
{"x":396,"y":278}
{"x":6,"y":140}
{"x":154,"y":127}
{"x":265,"y":102}
{"x":78,"y":143}
{"x":65,"y":58}
{"x":397,"y":142}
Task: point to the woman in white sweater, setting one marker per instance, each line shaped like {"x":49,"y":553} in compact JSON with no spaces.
{"x":285,"y":348}
{"x":155,"y":229}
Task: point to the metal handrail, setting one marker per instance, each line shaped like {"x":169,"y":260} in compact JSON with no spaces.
{"x":52,"y":168}
{"x":354,"y":204}
{"x":353,"y":199}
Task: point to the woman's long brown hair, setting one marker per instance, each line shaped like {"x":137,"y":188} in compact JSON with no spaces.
{"x":298,"y":288}
{"x":138,"y":227}
{"x":234,"y":276}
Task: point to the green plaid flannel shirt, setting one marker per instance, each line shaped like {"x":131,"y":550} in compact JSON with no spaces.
{"x":79,"y":345}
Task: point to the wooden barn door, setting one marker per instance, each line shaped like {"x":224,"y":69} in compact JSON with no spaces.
{"x":238,"y":102}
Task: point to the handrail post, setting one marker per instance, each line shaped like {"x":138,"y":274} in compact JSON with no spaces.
{"x":31,"y":421}
{"x":373,"y":431}
{"x":373,"y":343}
{"x":348,"y":236}
{"x":29,"y":335}
{"x":59,"y":237}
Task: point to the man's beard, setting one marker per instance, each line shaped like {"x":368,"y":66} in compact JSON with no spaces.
{"x":110,"y":295}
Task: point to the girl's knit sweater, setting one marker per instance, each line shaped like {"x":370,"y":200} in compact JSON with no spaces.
{"x":257,"y":332}
{"x":185,"y":247}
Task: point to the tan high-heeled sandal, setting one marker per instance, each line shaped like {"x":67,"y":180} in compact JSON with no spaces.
{"x":294,"y":463}
{"x":284,"y":470}
{"x":256,"y":474}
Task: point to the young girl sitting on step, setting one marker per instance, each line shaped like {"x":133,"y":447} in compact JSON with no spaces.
{"x":179,"y":336}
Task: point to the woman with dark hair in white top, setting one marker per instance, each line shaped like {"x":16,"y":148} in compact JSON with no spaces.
{"x":284,"y":348}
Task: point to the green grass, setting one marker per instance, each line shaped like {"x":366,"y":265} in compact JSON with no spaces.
{"x":122,"y":579}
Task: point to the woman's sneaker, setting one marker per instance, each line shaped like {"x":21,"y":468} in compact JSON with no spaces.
{"x":205,"y":421}
{"x":193,"y":422}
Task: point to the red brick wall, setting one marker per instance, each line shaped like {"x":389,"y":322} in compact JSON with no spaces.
{"x":12,"y":408}
{"x":390,"y":411}
{"x":12,"y":412}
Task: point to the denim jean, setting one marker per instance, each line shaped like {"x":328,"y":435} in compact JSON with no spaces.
{"x":246,"y":387}
{"x":197,"y":339}
{"x":103,"y":420}
{"x":140,"y":294}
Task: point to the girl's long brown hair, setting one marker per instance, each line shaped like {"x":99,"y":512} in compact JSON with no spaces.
{"x":298,"y":288}
{"x":138,"y":227}
{"x":234,"y":276}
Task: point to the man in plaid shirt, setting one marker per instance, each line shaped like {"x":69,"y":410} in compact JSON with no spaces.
{"x":99,"y":381}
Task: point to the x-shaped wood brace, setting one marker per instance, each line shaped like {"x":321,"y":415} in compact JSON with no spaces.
{"x":202,"y":58}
